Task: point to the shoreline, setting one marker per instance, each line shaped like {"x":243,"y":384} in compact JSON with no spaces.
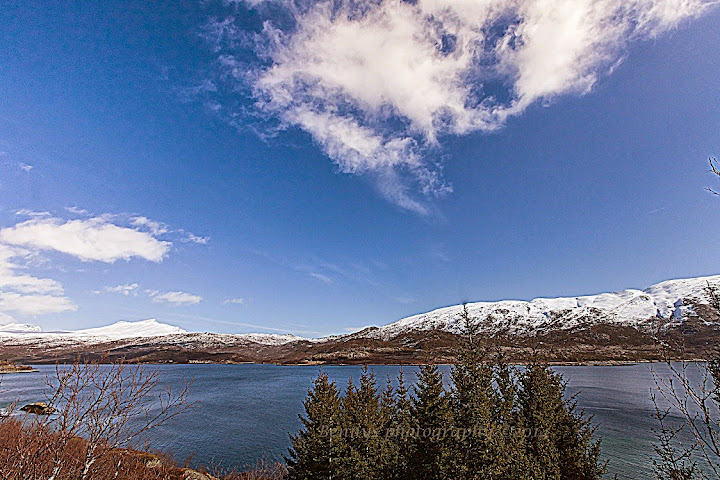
{"x":589,"y":363}
{"x":23,"y":369}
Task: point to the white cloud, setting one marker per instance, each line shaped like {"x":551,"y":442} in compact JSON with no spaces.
{"x":28,"y":284}
{"x":31,"y":213}
{"x":127,"y":289}
{"x":237,"y":301}
{"x":191,"y":238}
{"x":90,"y":239}
{"x":377,"y":84}
{"x":34,"y":304}
{"x":25,"y":167}
{"x":77,"y":210}
{"x":6,"y":319}
{"x":24,"y":293}
{"x":323,"y":278}
{"x":176,"y":298}
{"x":101,"y":238}
{"x":156,"y":228}
{"x":10,"y":279}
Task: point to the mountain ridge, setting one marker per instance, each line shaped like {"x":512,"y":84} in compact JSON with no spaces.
{"x":663,"y":300}
{"x":628,"y":325}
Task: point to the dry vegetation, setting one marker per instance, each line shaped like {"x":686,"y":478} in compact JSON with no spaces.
{"x":100,"y":411}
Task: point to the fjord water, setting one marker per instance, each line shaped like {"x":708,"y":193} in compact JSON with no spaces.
{"x":246,"y":412}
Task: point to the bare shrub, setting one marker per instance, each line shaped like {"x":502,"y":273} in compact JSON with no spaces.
{"x":690,"y":390}
{"x":692,"y":449}
{"x":100,"y":411}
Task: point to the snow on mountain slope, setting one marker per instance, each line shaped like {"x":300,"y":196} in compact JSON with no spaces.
{"x":25,"y":334}
{"x":669,"y":300}
{"x":19,"y":328}
{"x":116,"y":331}
{"x":627,"y":307}
{"x":220,"y":340}
{"x":120,"y":330}
{"x":270,"y":338}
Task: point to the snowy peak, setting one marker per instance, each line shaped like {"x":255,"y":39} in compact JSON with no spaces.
{"x":121,"y":330}
{"x":19,"y":328}
{"x":630,"y":307}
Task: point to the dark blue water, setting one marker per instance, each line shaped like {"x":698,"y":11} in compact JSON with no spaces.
{"x":246,"y":412}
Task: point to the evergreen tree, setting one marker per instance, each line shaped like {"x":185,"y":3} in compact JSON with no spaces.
{"x":558,"y":441}
{"x":362,"y":420}
{"x":404,"y":424}
{"x":508,"y":439}
{"x":483,"y":404}
{"x":431,"y":414}
{"x":390,"y":453}
{"x":317,"y":448}
{"x":496,"y":423}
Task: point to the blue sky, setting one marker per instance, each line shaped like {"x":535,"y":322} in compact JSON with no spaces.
{"x":276,"y":167}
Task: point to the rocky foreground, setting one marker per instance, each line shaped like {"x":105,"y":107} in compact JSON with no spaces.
{"x":679,"y":317}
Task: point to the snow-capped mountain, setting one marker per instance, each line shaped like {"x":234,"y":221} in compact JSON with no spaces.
{"x":19,"y":328}
{"x":667,"y":300}
{"x":619,"y":326}
{"x":121,"y":330}
{"x":116,"y":331}
{"x":150,"y":328}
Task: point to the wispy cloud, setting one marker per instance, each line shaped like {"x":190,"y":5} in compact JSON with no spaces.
{"x":253,"y":326}
{"x":191,"y":238}
{"x":236,"y":301}
{"x":323,"y":278}
{"x":25,"y":167}
{"x":156,"y":228}
{"x":126,"y":289}
{"x":31,"y":213}
{"x":177,"y":298}
{"x":405,"y":300}
{"x":77,"y":210}
{"x":354,"y":271}
{"x":379,"y":84}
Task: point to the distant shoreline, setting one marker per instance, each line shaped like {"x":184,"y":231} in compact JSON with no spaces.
{"x":8,"y":368}
{"x":590,"y":363}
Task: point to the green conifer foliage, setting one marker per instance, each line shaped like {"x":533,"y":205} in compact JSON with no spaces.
{"x":431,"y":414}
{"x":558,"y":440}
{"x":496,"y":422}
{"x":483,"y":401}
{"x":390,"y":453}
{"x":405,"y":426}
{"x":316,"y":450}
{"x":363,"y":429}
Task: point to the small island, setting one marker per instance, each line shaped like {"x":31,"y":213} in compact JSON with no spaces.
{"x":9,"y":367}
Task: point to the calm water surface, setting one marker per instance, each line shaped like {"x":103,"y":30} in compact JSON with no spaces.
{"x":246,"y":412}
